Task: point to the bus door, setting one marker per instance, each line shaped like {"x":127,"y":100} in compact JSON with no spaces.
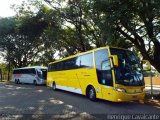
{"x":104,"y":74}
{"x":44,"y":74}
{"x":39,"y":74}
{"x":106,"y":80}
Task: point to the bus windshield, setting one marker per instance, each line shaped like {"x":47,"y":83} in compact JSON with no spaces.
{"x":129,"y":71}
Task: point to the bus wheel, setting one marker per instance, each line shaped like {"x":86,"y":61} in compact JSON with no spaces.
{"x":15,"y":81}
{"x":91,"y":93}
{"x":34,"y":82}
{"x":18,"y":82}
{"x":54,"y":86}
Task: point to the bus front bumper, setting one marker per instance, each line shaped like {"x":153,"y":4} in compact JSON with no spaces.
{"x":124,"y":97}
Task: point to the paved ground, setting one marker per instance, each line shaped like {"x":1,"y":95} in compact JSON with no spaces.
{"x":25,"y":101}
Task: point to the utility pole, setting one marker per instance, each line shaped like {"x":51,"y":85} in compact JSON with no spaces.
{"x":151,"y":83}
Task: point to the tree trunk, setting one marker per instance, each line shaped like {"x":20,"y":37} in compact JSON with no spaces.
{"x":156,"y":55}
{"x":156,"y":64}
{"x":9,"y":70}
{"x":1,"y":73}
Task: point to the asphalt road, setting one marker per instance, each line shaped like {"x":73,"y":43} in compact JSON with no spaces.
{"x":25,"y":101}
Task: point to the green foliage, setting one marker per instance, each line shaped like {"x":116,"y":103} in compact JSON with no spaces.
{"x":4,"y":71}
{"x":18,"y":47}
{"x":66,"y":27}
{"x":26,"y":40}
{"x":136,"y":21}
{"x":7,"y":25}
{"x":3,"y":67}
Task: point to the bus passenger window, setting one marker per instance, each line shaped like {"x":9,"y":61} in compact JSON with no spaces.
{"x":86,"y":60}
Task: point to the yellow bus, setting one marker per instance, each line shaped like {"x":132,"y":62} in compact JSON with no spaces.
{"x":107,"y":73}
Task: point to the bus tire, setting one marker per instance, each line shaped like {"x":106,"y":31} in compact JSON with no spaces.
{"x":54,"y":86}
{"x":34,"y":82}
{"x":15,"y":81}
{"x":91,"y":93}
{"x":18,"y":82}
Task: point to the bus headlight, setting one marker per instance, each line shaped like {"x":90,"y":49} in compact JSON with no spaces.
{"x":120,"y":89}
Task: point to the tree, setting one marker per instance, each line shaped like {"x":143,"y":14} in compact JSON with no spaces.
{"x":78,"y":25}
{"x":72,"y":22}
{"x":19,"y":44}
{"x":37,"y":36}
{"x":87,"y":25}
{"x":136,"y":21}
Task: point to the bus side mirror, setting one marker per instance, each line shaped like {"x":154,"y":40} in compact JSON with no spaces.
{"x":146,"y":65}
{"x":115,"y":60}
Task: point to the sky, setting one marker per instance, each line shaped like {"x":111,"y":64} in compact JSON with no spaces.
{"x":5,"y":10}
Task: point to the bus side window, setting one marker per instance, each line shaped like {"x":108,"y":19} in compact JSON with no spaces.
{"x":86,"y":60}
{"x":77,"y":64}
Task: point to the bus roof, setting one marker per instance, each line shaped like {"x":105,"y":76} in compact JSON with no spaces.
{"x":36,"y":67}
{"x":78,"y":54}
